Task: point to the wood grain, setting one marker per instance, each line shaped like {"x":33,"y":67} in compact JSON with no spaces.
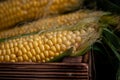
{"x":72,"y":68}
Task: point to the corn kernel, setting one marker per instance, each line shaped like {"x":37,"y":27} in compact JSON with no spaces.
{"x":29,"y":54}
{"x":20,"y":59}
{"x":7,"y":58}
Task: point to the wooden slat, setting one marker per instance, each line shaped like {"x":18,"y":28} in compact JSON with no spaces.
{"x":41,"y":65}
{"x":43,"y":71}
{"x":39,"y":79}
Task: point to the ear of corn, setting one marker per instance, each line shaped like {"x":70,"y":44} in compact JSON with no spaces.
{"x":15,"y":11}
{"x":50,"y":23}
{"x":42,"y":47}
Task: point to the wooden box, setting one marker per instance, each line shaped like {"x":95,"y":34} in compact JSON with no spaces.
{"x":72,"y":68}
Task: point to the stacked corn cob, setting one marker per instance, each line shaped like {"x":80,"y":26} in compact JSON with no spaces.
{"x":42,"y":47}
{"x":49,"y":23}
{"x":15,"y":11}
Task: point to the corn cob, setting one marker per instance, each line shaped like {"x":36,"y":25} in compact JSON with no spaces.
{"x":42,"y":47}
{"x":15,"y":11}
{"x":43,"y":24}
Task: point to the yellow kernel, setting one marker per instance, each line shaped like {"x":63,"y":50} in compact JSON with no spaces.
{"x":33,"y":52}
{"x":72,"y":41}
{"x":53,"y":49}
{"x":40,"y":41}
{"x":63,"y":47}
{"x":47,"y":47}
{"x":29,"y":54}
{"x":57,"y":47}
{"x":31,"y":36}
{"x":59,"y":35}
{"x":83,"y":32}
{"x":64,"y":39}
{"x":47,"y":59}
{"x":67,"y":43}
{"x":12,"y":61}
{"x":77,"y":33}
{"x":25,"y":57}
{"x":7,"y":58}
{"x":59,"y":40}
{"x":56,"y":54}
{"x":43,"y":61}
{"x":78,"y":39}
{"x":65,"y":33}
{"x":54,"y":40}
{"x":16,"y":59}
{"x":25,"y":43}
{"x":2,"y":46}
{"x":76,"y":44}
{"x":12,"y":56}
{"x":34,"y":59}
{"x":42,"y":55}
{"x":38,"y":57}
{"x":69,"y":37}
{"x":73,"y":36}
{"x":31,"y":45}
{"x":46,"y":54}
{"x":1,"y":58}
{"x":24,"y":50}
{"x":49,"y":37}
{"x":42,"y":47}
{"x":7,"y":46}
{"x":90,"y":29}
{"x":4,"y":52}
{"x":20,"y":45}
{"x":51,"y":53}
{"x":20,"y":59}
{"x":12,"y":50}
{"x":16,"y":49}
{"x":37,"y":49}
{"x":50,"y":43}
{"x":36,"y":38}
{"x":15,"y":44}
{"x":0,"y":52}
{"x":19,"y":53}
{"x":35,"y":44}
{"x":8,"y":51}
{"x":11,"y":44}
{"x":44,"y":40}
{"x":27,"y":47}
{"x":30,"y":40}
{"x":42,"y":36}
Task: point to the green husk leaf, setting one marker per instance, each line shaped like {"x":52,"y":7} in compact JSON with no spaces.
{"x":110,"y":19}
{"x":98,"y":48}
{"x":111,"y":38}
{"x":112,"y":41}
{"x":118,"y":73}
{"x":114,"y":51}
